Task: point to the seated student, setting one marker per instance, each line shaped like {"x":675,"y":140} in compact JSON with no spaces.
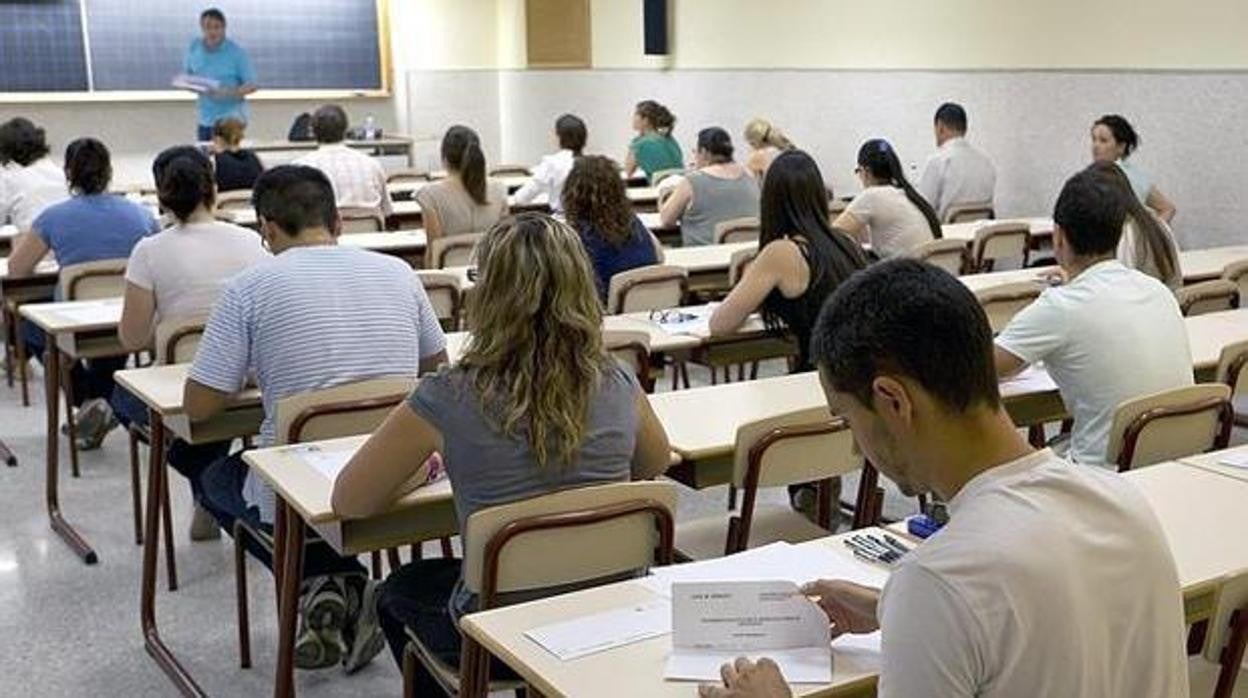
{"x":359,"y":180}
{"x":766,"y":142}
{"x":237,"y":167}
{"x":1147,"y":244}
{"x":93,"y":225}
{"x":314,"y":316}
{"x":1048,"y":580}
{"x":177,"y":275}
{"x":1109,"y":333}
{"x":956,"y":173}
{"x":889,"y":213}
{"x":466,"y":201}
{"x":506,"y":428}
{"x":599,"y":210}
{"x":1114,"y":140}
{"x":549,"y":175}
{"x":29,"y":180}
{"x":718,"y":190}
{"x":653,"y":149}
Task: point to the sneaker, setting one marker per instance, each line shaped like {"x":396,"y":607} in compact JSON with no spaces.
{"x":323,"y":615}
{"x":364,"y":636}
{"x":203,"y":526}
{"x":88,"y":417}
{"x":92,"y":435}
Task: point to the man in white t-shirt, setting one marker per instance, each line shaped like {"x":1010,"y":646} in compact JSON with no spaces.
{"x":957,"y":173}
{"x":1109,"y":333}
{"x":1048,"y":580}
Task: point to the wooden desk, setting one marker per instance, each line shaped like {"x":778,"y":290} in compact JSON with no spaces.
{"x":1208,"y":334}
{"x":707,"y":265}
{"x":1209,"y":461}
{"x":668,"y":235}
{"x":1041,"y":228}
{"x":980,"y":282}
{"x":39,"y":286}
{"x":408,"y":245}
{"x":635,"y":669}
{"x":303,"y":495}
{"x":78,"y":330}
{"x":1203,"y":265}
{"x":394,"y":144}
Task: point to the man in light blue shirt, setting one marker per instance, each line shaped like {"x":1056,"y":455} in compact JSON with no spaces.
{"x":216,"y":57}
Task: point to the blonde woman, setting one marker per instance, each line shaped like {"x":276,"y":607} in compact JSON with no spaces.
{"x":766,"y":142}
{"x":535,"y":405}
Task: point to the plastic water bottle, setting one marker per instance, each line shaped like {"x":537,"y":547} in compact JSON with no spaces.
{"x":370,"y":128}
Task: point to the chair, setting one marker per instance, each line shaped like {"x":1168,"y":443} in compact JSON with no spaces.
{"x":575,"y":536}
{"x":1170,"y":424}
{"x":1213,"y":672}
{"x":738,"y":263}
{"x":661,"y":175}
{"x":632,"y":348}
{"x":804,"y":446}
{"x":451,"y":250}
{"x":968,"y":212}
{"x":445,"y":296}
{"x":1002,"y":303}
{"x":510,"y":170}
{"x":238,"y":199}
{"x":357,"y":219}
{"x":737,"y":230}
{"x":1208,"y":297}
{"x":997,"y":241}
{"x":654,"y":287}
{"x":947,"y":254}
{"x":1237,"y":273}
{"x":344,"y":410}
{"x":1231,"y":373}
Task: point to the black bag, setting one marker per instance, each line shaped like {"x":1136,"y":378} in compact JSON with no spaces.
{"x":301,"y":130}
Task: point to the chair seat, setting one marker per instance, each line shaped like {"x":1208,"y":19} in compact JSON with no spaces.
{"x":447,"y":675}
{"x":704,"y":538}
{"x":1202,"y":677}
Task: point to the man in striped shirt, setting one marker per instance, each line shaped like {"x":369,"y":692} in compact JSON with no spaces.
{"x":314,"y":316}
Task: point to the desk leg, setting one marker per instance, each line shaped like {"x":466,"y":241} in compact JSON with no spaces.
{"x":288,"y":601}
{"x":52,"y":382}
{"x":7,"y":455}
{"x":151,"y":542}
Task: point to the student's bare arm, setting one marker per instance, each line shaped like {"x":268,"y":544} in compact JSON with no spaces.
{"x":763,"y":274}
{"x":30,"y":248}
{"x":375,"y":476}
{"x":1164,"y":207}
{"x":653,"y":453}
{"x":1007,"y":364}
{"x":137,"y":312}
{"x":201,"y":402}
{"x":676,"y":204}
{"x":850,"y":224}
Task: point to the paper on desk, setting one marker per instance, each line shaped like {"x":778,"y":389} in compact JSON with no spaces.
{"x":87,"y":312}
{"x":1033,"y":379}
{"x":688,"y":321}
{"x":714,"y":622}
{"x":587,"y":635}
{"x":1235,"y":460}
{"x":328,"y":462}
{"x":779,"y":561}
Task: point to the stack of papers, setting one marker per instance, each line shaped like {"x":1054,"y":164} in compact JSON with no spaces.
{"x":196,"y":83}
{"x":603,"y":631}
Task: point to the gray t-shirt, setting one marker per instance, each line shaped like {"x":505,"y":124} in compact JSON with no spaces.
{"x":716,"y":200}
{"x":487,"y":467}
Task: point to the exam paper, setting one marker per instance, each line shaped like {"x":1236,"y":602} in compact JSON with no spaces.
{"x":693,"y":321}
{"x":326,"y":462}
{"x":603,"y":631}
{"x":1033,"y":379}
{"x":778,"y":561}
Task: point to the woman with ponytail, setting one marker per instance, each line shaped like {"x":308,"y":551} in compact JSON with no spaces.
{"x":176,"y":276}
{"x":466,"y":201}
{"x":1146,"y":245}
{"x":1115,"y":140}
{"x":766,"y":142}
{"x":889,"y":213}
{"x":653,"y":149}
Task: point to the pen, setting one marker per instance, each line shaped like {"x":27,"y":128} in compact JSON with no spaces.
{"x":871,"y":552}
{"x":874,"y":544}
{"x":897,"y":545}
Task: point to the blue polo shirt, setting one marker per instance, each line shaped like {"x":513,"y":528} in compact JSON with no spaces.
{"x":227,"y":63}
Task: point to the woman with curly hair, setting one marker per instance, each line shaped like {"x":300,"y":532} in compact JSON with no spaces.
{"x":598,"y":209}
{"x":535,"y":405}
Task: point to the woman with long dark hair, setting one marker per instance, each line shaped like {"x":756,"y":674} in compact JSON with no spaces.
{"x":801,"y":257}
{"x":1146,"y":244}
{"x":889,"y":213}
{"x":467,"y":201}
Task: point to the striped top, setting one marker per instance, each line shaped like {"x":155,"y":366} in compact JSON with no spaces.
{"x":313,"y":318}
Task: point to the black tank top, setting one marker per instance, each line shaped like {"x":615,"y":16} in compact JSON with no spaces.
{"x":799,"y":314}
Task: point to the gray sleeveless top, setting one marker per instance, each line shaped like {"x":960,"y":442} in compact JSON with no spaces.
{"x":716,"y":200}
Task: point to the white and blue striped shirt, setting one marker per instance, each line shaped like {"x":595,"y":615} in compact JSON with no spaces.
{"x":312,"y":318}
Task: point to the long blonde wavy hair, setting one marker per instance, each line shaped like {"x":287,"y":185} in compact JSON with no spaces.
{"x":536,"y":354}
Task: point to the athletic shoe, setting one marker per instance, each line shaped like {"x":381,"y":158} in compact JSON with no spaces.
{"x":364,"y":636}
{"x":88,"y":418}
{"x":101,"y":421}
{"x":324,"y":612}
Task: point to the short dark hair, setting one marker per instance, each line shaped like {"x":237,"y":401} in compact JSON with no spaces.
{"x":953,"y":116}
{"x":295,"y":197}
{"x":717,"y":142}
{"x":329,"y":124}
{"x":88,"y":166}
{"x":910,"y":318}
{"x":1091,"y":212}
{"x":212,"y":13}
{"x":572,"y":133}
{"x":21,"y":142}
{"x":184,"y":180}
{"x":1122,"y":131}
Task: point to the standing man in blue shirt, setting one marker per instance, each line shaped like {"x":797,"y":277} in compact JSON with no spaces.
{"x":216,"y":57}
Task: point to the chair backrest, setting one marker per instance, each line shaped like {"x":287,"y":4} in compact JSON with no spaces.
{"x":407,"y":175}
{"x":654,"y":287}
{"x":971,"y":211}
{"x":1208,"y":297}
{"x":996,"y":241}
{"x":737,"y":230}
{"x":788,"y":449}
{"x":451,"y":250}
{"x":344,"y":410}
{"x":1237,"y":273}
{"x":105,"y":278}
{"x":444,"y":294}
{"x":661,"y":175}
{"x":660,"y":255}
{"x":234,"y":200}
{"x":1231,"y":363}
{"x":569,"y":536}
{"x":1002,"y":303}
{"x":360,"y":220}
{"x":737,"y":264}
{"x":947,"y":254}
{"x":504,"y":170}
{"x":1228,"y":630}
{"x":178,"y":340}
{"x":1170,"y":424}
{"x":632,"y":347}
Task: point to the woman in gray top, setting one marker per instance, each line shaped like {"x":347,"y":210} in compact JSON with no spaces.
{"x":522,"y":414}
{"x":719,"y":190}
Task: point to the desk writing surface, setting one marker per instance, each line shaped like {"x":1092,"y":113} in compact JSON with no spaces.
{"x":161,"y":387}
{"x":705,"y":257}
{"x":414,"y":239}
{"x":1203,"y":265}
{"x":980,"y":282}
{"x":1208,"y":334}
{"x":74,"y":316}
{"x":1040,"y":227}
{"x":660,"y":341}
{"x":47,"y":268}
{"x":1211,"y":462}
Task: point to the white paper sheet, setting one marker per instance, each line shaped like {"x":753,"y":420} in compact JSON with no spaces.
{"x":91,"y":312}
{"x":691,"y":321}
{"x":1033,"y":379}
{"x":778,"y":561}
{"x":1235,"y":460}
{"x":801,"y":665}
{"x":603,"y":631}
{"x":326,"y":462}
{"x":195,"y":83}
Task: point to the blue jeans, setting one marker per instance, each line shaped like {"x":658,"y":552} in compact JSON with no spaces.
{"x":203,"y":133}
{"x":90,"y":378}
{"x":189,"y":460}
